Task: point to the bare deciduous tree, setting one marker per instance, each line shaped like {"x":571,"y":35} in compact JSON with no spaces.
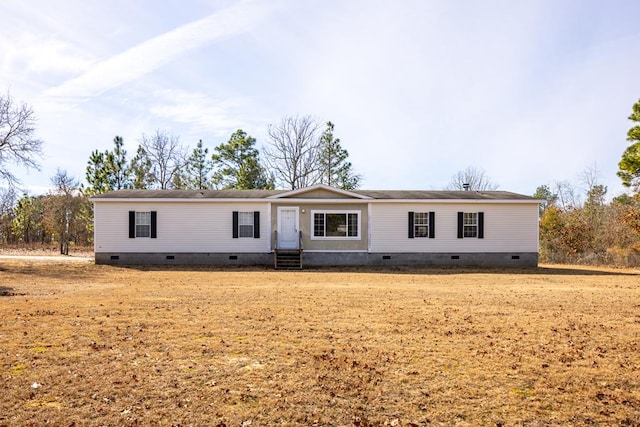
{"x":590,"y":177}
{"x":472,"y":179}
{"x":292,"y":156}
{"x":18,"y":144}
{"x":62,"y":208}
{"x":8,"y":200}
{"x":166,"y":157}
{"x":567,"y":198}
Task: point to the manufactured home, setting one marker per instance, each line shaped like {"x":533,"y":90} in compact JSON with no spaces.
{"x":316,"y":226}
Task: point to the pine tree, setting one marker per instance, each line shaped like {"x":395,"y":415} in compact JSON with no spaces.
{"x":96,"y":174}
{"x":141,"y":171}
{"x":237,"y":164}
{"x":198,"y":169}
{"x":108,"y":170}
{"x":117,"y":167}
{"x":337,"y":171}
{"x":629,"y":166}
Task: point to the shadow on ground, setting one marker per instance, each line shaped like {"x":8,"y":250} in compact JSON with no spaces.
{"x":424,"y":270}
{"x":51,"y":269}
{"x":6,"y":291}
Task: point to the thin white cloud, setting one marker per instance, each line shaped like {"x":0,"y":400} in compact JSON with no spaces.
{"x":161,"y":50}
{"x":202,"y":113}
{"x":41,"y":55}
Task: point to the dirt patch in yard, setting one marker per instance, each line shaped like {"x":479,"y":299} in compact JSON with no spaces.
{"x":82,"y":344}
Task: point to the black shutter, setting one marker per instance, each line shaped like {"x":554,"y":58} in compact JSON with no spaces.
{"x":256,"y":225}
{"x":480,"y":225}
{"x":432,"y":225}
{"x":132,"y":224}
{"x":235,"y":224}
{"x":460,"y":226}
{"x":154,"y":224}
{"x":411,"y":225}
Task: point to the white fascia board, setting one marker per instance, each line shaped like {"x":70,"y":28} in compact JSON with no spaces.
{"x":336,"y":250}
{"x":315,"y":201}
{"x":458,"y":201}
{"x":348,"y":193}
{"x":175,"y":200}
{"x":231,"y":200}
{"x":405,"y":201}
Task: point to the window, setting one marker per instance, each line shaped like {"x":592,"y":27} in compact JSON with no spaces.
{"x":143,"y":224}
{"x":318,"y":225}
{"x":470,"y":224}
{"x":245,"y":224}
{"x":421,"y":224}
{"x":336,"y":224}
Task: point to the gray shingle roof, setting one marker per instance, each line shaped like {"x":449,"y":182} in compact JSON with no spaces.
{"x":188,"y":194}
{"x":443,"y":195}
{"x":262,"y":194}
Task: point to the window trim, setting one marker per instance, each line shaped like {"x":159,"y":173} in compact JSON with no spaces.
{"x":146,"y":224}
{"x":470,"y":225}
{"x":345,"y":212}
{"x":134,"y":224}
{"x":252,"y":219}
{"x":430,"y":224}
{"x":478,"y":225}
{"x":248,"y":222}
{"x":425,"y":223}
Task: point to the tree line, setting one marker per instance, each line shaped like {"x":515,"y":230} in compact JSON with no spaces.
{"x":584,"y":228}
{"x":299,"y":153}
{"x":60,"y":217}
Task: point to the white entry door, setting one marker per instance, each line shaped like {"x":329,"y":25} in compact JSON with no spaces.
{"x":288,"y":228}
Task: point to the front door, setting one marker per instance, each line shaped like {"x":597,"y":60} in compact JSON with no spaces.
{"x":288,"y":228}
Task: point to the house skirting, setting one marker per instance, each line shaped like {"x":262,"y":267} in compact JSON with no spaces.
{"x":315,"y":259}
{"x":492,"y":259}
{"x":183,"y":258}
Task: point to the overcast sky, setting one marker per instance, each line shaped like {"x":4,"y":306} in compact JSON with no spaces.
{"x":532,"y":92}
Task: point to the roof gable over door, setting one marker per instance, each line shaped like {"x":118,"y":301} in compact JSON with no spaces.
{"x":319,"y":191}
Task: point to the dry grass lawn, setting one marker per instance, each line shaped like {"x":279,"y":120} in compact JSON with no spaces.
{"x":82,"y":344}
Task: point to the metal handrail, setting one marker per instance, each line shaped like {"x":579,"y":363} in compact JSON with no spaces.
{"x":275,"y":242}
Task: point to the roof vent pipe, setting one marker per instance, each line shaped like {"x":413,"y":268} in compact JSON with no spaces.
{"x":466,"y":186}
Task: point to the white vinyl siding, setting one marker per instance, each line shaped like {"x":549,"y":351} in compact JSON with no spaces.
{"x":381,"y":227}
{"x":182,"y":227}
{"x":507,"y":228}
